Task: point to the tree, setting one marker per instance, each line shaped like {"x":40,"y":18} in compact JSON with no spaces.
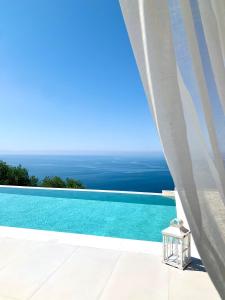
{"x":74,"y":184}
{"x":55,"y":182}
{"x":4,"y":171}
{"x":18,"y":176}
{"x":13,"y":175}
{"x":34,"y":181}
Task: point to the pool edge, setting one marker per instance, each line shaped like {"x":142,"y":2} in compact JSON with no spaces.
{"x":84,"y":190}
{"x":120,"y":244}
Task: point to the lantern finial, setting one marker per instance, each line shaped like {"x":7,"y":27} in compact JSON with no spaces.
{"x":176,"y":223}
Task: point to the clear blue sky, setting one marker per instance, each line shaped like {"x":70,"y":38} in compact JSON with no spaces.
{"x":68,"y":79}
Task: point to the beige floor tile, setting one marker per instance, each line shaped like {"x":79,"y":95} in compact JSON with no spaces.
{"x":11,"y":248}
{"x":6,"y":298}
{"x":188,"y":285}
{"x":83,"y":276}
{"x":23,"y":275}
{"x":137,"y":277}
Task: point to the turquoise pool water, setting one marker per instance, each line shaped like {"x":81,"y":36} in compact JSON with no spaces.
{"x":131,"y":216}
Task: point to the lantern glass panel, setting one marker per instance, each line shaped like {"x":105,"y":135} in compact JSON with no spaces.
{"x":186,"y":250}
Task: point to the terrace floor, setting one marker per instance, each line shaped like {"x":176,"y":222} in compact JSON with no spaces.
{"x":43,"y":265}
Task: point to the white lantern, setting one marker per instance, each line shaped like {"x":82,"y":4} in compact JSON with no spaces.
{"x":177,"y":245}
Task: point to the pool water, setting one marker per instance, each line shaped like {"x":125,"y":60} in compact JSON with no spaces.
{"x":123,"y":215}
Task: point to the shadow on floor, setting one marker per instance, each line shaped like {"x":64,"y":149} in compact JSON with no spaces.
{"x":196,"y":265}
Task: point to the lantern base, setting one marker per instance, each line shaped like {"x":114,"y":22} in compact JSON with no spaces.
{"x":172,"y":262}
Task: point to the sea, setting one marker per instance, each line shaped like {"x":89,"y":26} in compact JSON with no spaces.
{"x":142,"y":173}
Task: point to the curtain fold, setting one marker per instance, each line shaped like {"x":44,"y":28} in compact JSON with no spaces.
{"x":179,"y":50}
{"x":214,"y":45}
{"x":219,"y":10}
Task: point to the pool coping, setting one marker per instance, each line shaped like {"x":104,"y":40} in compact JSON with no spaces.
{"x":102,"y":242}
{"x":84,"y":190}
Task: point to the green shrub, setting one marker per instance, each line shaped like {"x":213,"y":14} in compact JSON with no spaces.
{"x":55,"y":181}
{"x":4,"y":172}
{"x":13,"y":175}
{"x":34,"y":181}
{"x":74,"y":184}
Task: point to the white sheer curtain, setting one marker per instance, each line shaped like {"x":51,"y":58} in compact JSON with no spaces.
{"x":179,"y":46}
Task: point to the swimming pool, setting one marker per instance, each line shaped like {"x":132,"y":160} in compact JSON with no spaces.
{"x":113,"y":214}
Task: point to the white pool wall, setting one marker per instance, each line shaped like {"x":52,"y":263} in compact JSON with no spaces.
{"x":84,"y":190}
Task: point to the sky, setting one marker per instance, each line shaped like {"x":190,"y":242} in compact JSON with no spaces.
{"x":69,"y":81}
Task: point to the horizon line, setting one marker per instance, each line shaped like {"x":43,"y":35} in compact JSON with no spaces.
{"x":85,"y":152}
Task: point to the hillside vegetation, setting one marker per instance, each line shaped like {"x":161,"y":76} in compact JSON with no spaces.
{"x":10,"y":175}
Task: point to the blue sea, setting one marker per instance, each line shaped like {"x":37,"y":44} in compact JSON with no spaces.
{"x":143,"y":173}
